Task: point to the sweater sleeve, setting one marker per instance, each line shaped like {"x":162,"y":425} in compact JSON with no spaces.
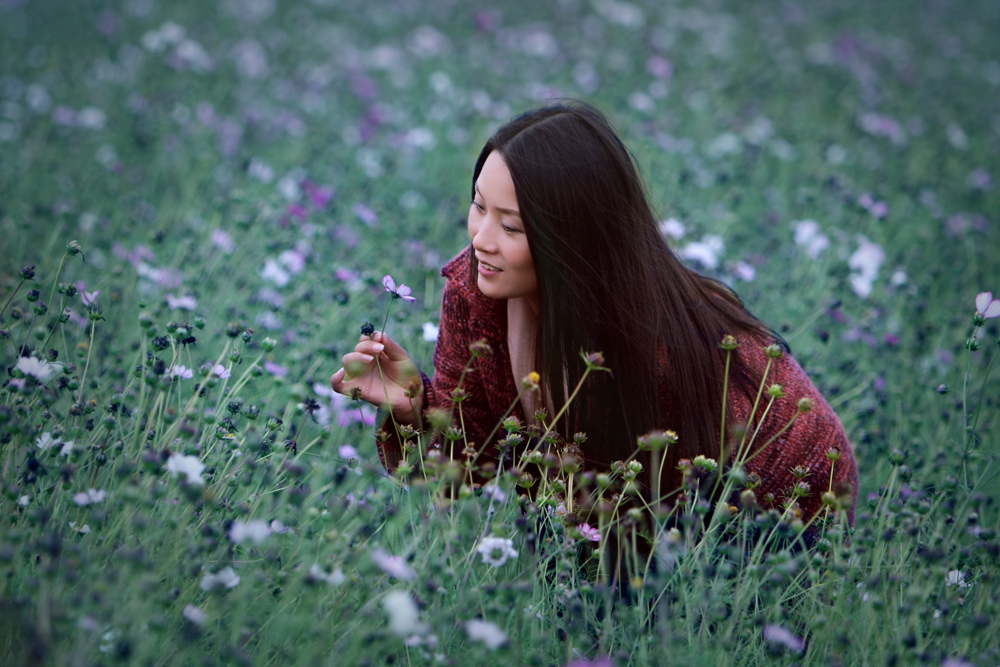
{"x":802,"y":447}
{"x":463,"y":322}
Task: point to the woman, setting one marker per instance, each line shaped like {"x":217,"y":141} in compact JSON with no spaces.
{"x":566,"y":257}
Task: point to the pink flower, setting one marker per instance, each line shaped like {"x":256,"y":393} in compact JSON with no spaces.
{"x":90,"y":298}
{"x":220,"y":372}
{"x":403,"y":292}
{"x":987,"y":306}
{"x":779,"y":634}
{"x":587,"y":532}
{"x":182,"y":372}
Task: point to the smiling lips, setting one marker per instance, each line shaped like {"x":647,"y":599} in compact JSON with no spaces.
{"x":488,"y":269}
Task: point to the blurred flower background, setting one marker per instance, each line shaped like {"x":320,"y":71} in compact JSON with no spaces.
{"x":178,"y":479}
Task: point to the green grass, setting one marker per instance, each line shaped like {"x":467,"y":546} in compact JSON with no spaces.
{"x":179,"y":156}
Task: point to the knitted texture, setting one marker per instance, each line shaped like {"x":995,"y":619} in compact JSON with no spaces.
{"x":467,"y":316}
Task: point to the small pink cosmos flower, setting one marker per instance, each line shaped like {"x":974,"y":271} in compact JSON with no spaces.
{"x":402,"y":292}
{"x":89,"y":298}
{"x":588,"y":532}
{"x":220,"y":372}
{"x":182,"y":372}
{"x":986,"y":305}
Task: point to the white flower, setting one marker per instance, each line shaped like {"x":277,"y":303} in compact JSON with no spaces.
{"x":221,"y":372}
{"x":347,"y":452}
{"x":274,"y":273}
{"x":46,"y":442}
{"x":224,"y":578}
{"x":955,"y":578}
{"x":181,"y":302}
{"x":431,"y":332}
{"x":865,"y":263}
{"x":280,"y":528}
{"x":23,"y":501}
{"x":38,"y":368}
{"x":808,"y":235}
{"x":487,"y":632}
{"x":335,"y":578}
{"x":404,"y":617}
{"x":83,"y":530}
{"x":394,"y":566}
{"x":706,"y":251}
{"x":744,"y":271}
{"x":182,"y":372}
{"x":496,"y":550}
{"x":186,"y":465}
{"x":673,"y":228}
{"x":255,"y":531}
{"x":194,"y":614}
{"x":89,"y":497}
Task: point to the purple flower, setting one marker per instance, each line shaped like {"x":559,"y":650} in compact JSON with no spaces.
{"x":319,"y":195}
{"x":779,"y":634}
{"x":366,"y":215}
{"x":402,"y":292}
{"x":181,"y":302}
{"x":90,"y":298}
{"x":275,"y":369}
{"x":986,"y":305}
{"x":221,"y":372}
{"x":182,"y":372}
{"x":223,"y":241}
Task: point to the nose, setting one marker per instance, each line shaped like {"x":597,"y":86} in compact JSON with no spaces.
{"x":483,"y":239}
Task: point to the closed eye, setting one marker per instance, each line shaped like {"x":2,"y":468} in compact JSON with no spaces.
{"x":509,"y":229}
{"x":479,"y":207}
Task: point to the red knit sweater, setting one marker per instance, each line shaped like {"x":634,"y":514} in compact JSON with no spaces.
{"x":467,"y":315}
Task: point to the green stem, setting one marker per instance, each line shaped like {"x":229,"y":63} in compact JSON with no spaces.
{"x":90,"y":350}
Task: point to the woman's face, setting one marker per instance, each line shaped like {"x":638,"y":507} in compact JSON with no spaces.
{"x":506,"y":270}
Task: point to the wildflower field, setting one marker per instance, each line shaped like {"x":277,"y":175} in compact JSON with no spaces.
{"x":199,"y":203}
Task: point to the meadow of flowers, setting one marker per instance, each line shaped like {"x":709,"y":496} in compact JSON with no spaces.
{"x":199,"y":203}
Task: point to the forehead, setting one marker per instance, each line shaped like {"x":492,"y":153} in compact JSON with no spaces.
{"x":495,"y":181}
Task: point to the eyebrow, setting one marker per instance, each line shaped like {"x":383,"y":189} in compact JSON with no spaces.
{"x":508,"y":211}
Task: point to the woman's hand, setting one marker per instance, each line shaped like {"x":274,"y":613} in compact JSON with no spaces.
{"x":400,"y":375}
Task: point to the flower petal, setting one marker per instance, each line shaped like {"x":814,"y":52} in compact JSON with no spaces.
{"x":983,"y":301}
{"x":389,"y":284}
{"x":993,"y":310}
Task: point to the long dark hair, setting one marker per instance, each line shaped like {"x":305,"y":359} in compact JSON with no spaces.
{"x":609,"y":282}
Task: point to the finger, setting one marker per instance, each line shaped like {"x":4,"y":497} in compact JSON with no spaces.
{"x":337,"y":381}
{"x":392,"y":349}
{"x":370,"y":348}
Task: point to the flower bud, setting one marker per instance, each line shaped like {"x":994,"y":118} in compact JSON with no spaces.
{"x":33,"y":295}
{"x":530,"y":381}
{"x":729,"y":342}
{"x":268,"y":344}
{"x":512,"y":424}
{"x":774,"y":351}
{"x":480,"y":348}
{"x":28,"y":272}
{"x":833,"y":454}
{"x":233,"y":329}
{"x":776,"y":391}
{"x":73,"y":248}
{"x":247,"y":335}
{"x":705,"y":463}
{"x":805,"y":405}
